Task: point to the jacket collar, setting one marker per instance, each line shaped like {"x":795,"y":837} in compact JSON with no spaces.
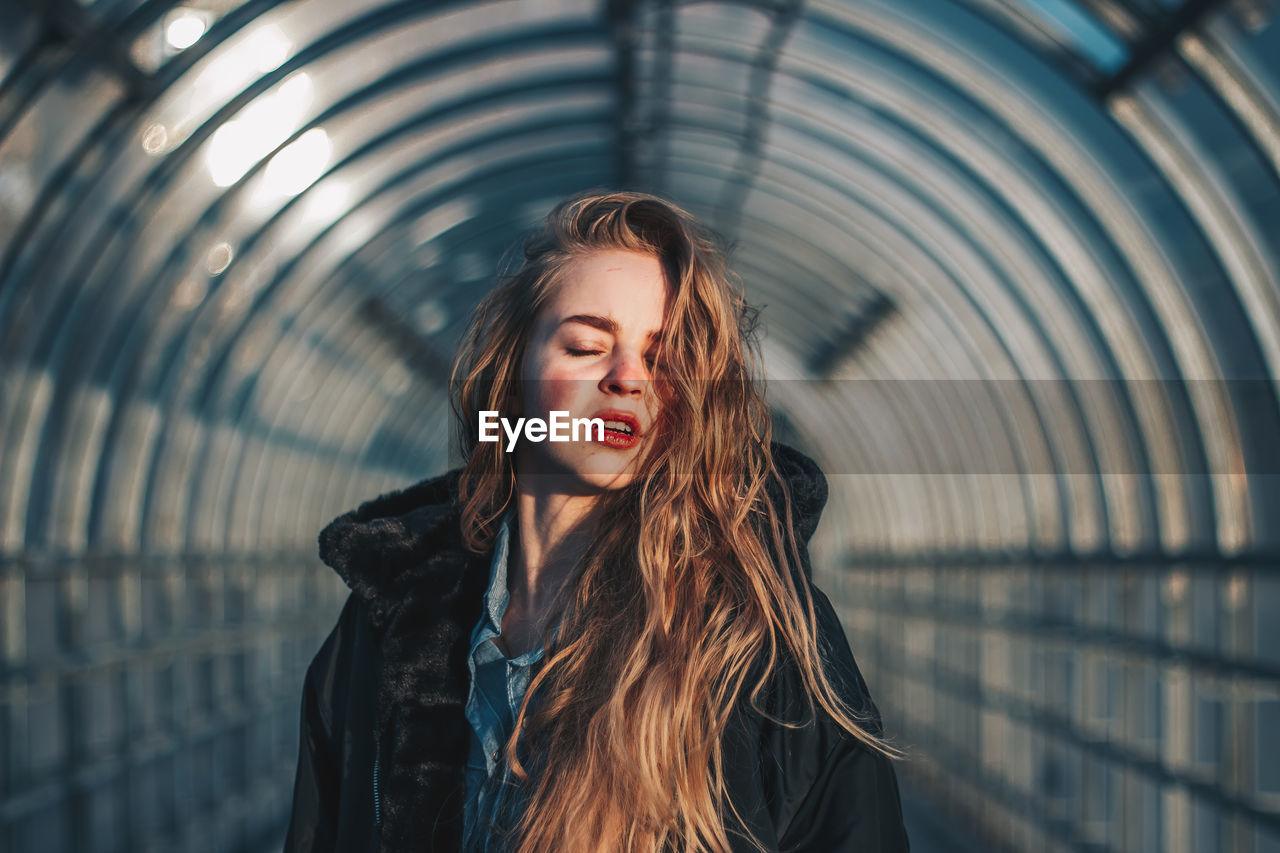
{"x":395,"y":542}
{"x":403,"y":554}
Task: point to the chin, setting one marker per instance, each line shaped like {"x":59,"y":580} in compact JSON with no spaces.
{"x":608,"y":482}
{"x":605,"y":474}
{"x":596,"y":471}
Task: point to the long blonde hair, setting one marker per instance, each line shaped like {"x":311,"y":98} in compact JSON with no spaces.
{"x":693,"y":580}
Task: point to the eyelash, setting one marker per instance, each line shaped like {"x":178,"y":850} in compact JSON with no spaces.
{"x":585,"y":352}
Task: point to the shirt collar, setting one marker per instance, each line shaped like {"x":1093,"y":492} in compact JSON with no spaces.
{"x":497,"y":596}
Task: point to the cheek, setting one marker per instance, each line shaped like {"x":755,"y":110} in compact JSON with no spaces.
{"x":557,"y":385}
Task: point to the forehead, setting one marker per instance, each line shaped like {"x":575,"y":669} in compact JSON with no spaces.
{"x":627,"y":286}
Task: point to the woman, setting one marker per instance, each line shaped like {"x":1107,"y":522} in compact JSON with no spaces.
{"x":604,"y":644}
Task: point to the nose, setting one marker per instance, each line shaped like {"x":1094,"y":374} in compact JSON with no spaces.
{"x":627,"y":375}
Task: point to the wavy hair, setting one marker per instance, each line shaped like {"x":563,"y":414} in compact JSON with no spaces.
{"x":693,"y":581}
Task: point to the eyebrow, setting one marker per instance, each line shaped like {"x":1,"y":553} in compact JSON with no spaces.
{"x":603,"y":323}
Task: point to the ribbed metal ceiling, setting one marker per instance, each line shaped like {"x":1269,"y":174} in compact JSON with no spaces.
{"x":1019,"y":259}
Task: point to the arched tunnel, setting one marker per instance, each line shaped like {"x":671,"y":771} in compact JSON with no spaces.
{"x":1018,"y":266}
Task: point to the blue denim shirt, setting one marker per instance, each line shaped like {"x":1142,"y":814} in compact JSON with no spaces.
{"x":498,"y":686}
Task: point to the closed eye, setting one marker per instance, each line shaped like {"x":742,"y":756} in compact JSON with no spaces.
{"x":580,"y":352}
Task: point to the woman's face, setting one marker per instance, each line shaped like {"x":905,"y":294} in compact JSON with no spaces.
{"x":591,"y":354}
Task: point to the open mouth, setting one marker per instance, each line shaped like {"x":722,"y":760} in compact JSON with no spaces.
{"x":621,"y":429}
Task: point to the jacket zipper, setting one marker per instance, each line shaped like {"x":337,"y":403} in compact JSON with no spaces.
{"x":377,"y":804}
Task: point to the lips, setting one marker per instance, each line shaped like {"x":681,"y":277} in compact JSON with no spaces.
{"x":620,"y":417}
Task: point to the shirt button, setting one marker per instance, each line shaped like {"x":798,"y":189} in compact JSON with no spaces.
{"x":495,"y":755}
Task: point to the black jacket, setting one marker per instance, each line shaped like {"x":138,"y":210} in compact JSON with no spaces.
{"x":390,"y":684}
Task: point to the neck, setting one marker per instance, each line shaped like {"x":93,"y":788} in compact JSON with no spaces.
{"x":555,"y":522}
